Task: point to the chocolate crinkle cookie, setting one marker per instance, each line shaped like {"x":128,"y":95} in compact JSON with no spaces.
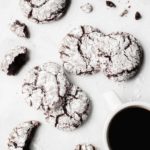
{"x":85,"y":147}
{"x":45,"y":86}
{"x":14,"y":60}
{"x":121,"y":56}
{"x":20,"y":29}
{"x":44,"y":11}
{"x":79,"y":50}
{"x":21,"y":136}
{"x":73,"y":112}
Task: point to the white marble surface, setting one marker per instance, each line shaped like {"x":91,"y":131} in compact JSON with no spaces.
{"x":44,"y":44}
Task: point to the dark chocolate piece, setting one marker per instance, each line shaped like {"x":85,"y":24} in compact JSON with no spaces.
{"x":138,"y":16}
{"x":111,"y":4}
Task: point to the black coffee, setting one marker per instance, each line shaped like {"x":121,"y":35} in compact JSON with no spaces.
{"x":130,"y":130}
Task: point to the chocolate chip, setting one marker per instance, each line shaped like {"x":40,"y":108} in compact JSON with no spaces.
{"x":137,"y":16}
{"x":110,"y":4}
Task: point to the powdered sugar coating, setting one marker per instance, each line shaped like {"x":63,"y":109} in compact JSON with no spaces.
{"x":85,"y":147}
{"x":45,"y":86}
{"x":120,"y":56}
{"x":79,"y":50}
{"x":9,"y":58}
{"x":74,"y":111}
{"x":87,"y":8}
{"x":44,"y":11}
{"x":20,"y":29}
{"x":21,"y":135}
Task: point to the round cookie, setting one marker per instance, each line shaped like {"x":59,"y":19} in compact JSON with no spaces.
{"x":79,"y":50}
{"x":21,"y":136}
{"x":44,"y":11}
{"x":74,"y":111}
{"x":121,"y":56}
{"x":45,"y":86}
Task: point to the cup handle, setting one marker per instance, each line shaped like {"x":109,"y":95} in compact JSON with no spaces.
{"x":112,"y":99}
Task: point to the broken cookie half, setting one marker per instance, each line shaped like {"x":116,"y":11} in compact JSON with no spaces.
{"x":21,"y":136}
{"x":14,"y":60}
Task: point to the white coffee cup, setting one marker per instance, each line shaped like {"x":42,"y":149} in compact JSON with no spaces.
{"x":116,"y":106}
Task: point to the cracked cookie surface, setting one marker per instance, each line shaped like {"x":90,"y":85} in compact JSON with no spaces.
{"x":121,"y":56}
{"x":21,"y":136}
{"x":79,"y":50}
{"x":44,"y":11}
{"x":73,"y":112}
{"x":45,"y":86}
{"x":85,"y":147}
{"x":13,"y":60}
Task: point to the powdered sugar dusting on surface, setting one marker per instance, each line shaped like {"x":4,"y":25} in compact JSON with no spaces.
{"x":79,"y":50}
{"x":120,"y":56}
{"x":45,"y":86}
{"x":74,"y":111}
{"x":43,"y":11}
{"x":21,"y":134}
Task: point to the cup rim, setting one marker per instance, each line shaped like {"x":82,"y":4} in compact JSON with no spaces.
{"x":144,"y":105}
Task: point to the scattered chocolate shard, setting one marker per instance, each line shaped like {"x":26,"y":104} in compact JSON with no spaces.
{"x":111,"y":4}
{"x":138,"y":16}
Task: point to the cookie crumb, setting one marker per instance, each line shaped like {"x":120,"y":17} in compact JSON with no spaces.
{"x":87,"y":8}
{"x":138,"y":16}
{"x":44,"y":11}
{"x":124,"y":13}
{"x":20,"y":29}
{"x":111,"y":4}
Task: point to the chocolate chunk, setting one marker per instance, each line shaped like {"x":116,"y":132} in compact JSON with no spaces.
{"x":110,"y":4}
{"x":138,"y":16}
